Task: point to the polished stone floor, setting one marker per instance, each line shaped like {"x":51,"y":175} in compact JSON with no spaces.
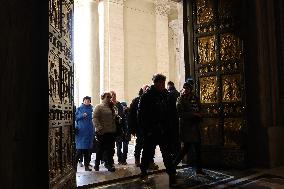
{"x":248,"y":179}
{"x":127,"y":177}
{"x":122,"y":171}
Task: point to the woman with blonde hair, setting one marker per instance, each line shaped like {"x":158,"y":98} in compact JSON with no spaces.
{"x":104,"y":121}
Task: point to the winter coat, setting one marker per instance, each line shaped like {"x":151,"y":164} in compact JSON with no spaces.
{"x":121,"y":124}
{"x":187,"y":105}
{"x":153,"y":113}
{"x":173,"y":95}
{"x":132,"y":117}
{"x":103,"y":119}
{"x":84,"y":134}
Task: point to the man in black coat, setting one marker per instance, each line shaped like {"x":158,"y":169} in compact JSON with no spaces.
{"x":174,"y":124}
{"x":154,"y":119}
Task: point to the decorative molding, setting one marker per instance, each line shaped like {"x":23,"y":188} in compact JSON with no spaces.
{"x":162,"y":7}
{"x":119,"y":2}
{"x":173,"y":4}
{"x":177,"y":27}
{"x":84,"y":1}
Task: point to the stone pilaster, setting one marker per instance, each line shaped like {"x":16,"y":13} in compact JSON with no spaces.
{"x":86,"y":41}
{"x":114,"y":48}
{"x":162,"y":9}
{"x":177,"y":27}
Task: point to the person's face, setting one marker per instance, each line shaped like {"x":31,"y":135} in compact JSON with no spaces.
{"x":107,"y":98}
{"x":145,"y":88}
{"x":186,"y":90}
{"x":169,"y":87}
{"x":160,"y":85}
{"x":87,"y":102}
{"x":113,"y":97}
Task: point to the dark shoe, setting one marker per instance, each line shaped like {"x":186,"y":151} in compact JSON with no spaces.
{"x":110,"y":168}
{"x":153,"y":166}
{"x":97,"y":167}
{"x":200,"y":172}
{"x":87,"y":168}
{"x":124,"y":163}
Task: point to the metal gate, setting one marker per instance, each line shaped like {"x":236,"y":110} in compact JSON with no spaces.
{"x":61,"y":103}
{"x":218,"y":71}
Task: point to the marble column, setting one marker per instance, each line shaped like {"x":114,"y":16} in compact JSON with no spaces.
{"x":162,"y":8}
{"x":176,"y":26}
{"x":114,"y":68}
{"x":86,"y":51}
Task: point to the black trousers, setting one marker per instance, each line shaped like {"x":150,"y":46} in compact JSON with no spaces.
{"x":149,"y":146}
{"x":80,"y":153}
{"x":194,"y":150}
{"x":105,"y":151}
{"x":139,"y":147}
{"x":122,"y":150}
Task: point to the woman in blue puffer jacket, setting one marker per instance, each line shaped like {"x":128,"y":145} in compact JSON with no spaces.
{"x":84,"y":132}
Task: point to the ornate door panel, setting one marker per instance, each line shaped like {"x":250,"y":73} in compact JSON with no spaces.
{"x":219,"y":76}
{"x":61,"y":102}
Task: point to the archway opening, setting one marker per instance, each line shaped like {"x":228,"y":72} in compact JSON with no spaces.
{"x":119,"y":45}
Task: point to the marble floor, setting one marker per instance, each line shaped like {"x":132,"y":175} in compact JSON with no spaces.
{"x":187,"y":179}
{"x":103,"y":176}
{"x":127,"y":177}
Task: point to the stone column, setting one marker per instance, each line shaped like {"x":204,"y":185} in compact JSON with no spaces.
{"x":86,"y":42}
{"x":176,"y":26}
{"x":114,"y":48}
{"x":162,"y":9}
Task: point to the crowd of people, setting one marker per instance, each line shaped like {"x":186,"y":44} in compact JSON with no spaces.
{"x":157,"y":116}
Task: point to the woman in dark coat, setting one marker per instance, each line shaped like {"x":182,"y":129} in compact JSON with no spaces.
{"x":84,"y":131}
{"x":188,"y":109}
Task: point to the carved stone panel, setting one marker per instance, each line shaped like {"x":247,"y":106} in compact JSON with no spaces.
{"x":230,"y":47}
{"x":206,"y":49}
{"x":225,"y":9}
{"x":208,"y":89}
{"x":204,"y":11}
{"x":233,"y":130}
{"x":231,"y":88}
{"x":210,"y":131}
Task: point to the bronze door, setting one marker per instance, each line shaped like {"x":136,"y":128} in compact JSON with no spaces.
{"x":61,"y":102}
{"x":218,"y":71}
